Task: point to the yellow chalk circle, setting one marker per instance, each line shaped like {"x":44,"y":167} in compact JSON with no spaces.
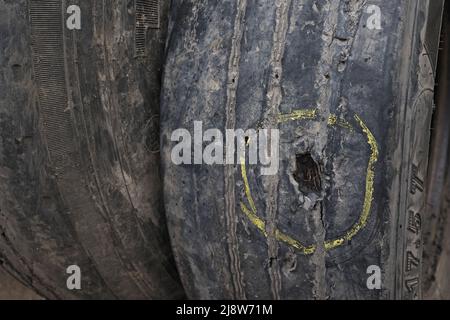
{"x":333,"y":120}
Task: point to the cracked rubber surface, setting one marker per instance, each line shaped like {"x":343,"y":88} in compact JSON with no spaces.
{"x":237,"y":64}
{"x":79,"y":163}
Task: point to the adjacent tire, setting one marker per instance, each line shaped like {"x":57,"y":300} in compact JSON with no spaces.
{"x":436,"y":226}
{"x":79,"y":162}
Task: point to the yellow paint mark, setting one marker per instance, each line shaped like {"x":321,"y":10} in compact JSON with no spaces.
{"x":298,"y":115}
{"x":260,"y":224}
{"x":333,"y":120}
{"x":247,"y":186}
{"x":280,"y":236}
{"x":368,"y":197}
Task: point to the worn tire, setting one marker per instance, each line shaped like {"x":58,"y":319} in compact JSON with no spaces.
{"x":364,"y":139}
{"x":79,"y":163}
{"x":436,"y":224}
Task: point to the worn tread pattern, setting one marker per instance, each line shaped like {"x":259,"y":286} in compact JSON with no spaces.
{"x":366,"y":96}
{"x":79,"y":169}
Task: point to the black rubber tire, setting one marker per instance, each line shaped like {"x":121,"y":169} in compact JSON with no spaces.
{"x":436,"y":226}
{"x":437,"y":261}
{"x":79,"y":162}
{"x":240,"y":64}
